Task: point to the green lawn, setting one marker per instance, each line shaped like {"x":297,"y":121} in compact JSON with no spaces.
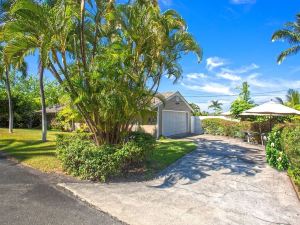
{"x":25,"y":146}
{"x":167,"y":152}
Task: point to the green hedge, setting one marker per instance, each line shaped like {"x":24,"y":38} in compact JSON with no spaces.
{"x":290,"y":142}
{"x":81,"y":157}
{"x":225,"y":127}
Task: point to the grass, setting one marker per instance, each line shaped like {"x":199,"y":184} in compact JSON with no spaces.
{"x":167,"y":152}
{"x":26,"y":147}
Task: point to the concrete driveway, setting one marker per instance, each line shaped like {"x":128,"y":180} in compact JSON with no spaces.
{"x":223,"y":182}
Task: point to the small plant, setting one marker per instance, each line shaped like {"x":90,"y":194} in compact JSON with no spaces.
{"x":276,"y":157}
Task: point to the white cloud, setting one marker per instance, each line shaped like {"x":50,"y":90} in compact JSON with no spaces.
{"x":271,"y":84}
{"x":242,"y":2}
{"x":195,"y":76}
{"x":215,"y":62}
{"x":209,"y":88}
{"x":229,"y":76}
{"x":241,"y":70}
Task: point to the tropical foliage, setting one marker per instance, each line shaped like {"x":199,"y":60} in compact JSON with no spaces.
{"x":243,"y":102}
{"x":25,"y":97}
{"x":216,"y":106}
{"x":276,"y":157}
{"x":81,"y":157}
{"x":196,"y":109}
{"x":109,"y":57}
{"x":291,"y":34}
{"x":293,"y":99}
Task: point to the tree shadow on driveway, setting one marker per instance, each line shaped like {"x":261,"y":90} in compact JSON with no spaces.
{"x":214,"y":155}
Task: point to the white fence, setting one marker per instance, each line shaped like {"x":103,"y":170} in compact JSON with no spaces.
{"x":196,"y":122}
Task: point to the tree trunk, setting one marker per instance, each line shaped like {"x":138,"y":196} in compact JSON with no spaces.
{"x":43,"y":101}
{"x":10,"y":106}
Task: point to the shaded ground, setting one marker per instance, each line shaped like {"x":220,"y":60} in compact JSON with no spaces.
{"x":31,"y":198}
{"x":224,"y":181}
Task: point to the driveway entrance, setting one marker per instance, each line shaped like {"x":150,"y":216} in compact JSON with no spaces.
{"x":224,"y":181}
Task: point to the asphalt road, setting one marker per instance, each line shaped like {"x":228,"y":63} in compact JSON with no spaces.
{"x":30,"y":197}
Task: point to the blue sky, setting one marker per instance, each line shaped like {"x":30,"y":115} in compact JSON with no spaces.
{"x":236,"y":39}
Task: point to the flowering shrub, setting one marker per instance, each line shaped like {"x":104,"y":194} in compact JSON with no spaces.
{"x":276,"y":157}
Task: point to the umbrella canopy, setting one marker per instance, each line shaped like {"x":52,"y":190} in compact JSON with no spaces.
{"x":271,"y":108}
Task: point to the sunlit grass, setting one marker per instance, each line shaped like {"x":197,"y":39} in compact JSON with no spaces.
{"x":168,"y":151}
{"x":26,"y":147}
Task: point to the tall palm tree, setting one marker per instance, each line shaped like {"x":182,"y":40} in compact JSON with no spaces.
{"x":5,"y":67}
{"x":4,"y":75}
{"x":26,"y":34}
{"x":290,"y":34}
{"x":216,"y":106}
{"x":293,"y":98}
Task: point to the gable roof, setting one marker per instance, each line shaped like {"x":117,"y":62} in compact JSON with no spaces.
{"x":169,"y":95}
{"x":52,"y":109}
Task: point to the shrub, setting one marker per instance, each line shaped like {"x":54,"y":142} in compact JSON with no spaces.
{"x":290,"y":141}
{"x":224,"y":127}
{"x":276,"y":157}
{"x":81,"y":157}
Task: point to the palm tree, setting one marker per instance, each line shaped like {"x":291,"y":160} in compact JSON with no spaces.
{"x":293,"y":98}
{"x":290,"y":34}
{"x":5,"y":67}
{"x":4,"y":75}
{"x":216,"y":106}
{"x":26,"y":34}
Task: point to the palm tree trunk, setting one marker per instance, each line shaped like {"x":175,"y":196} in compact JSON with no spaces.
{"x":43,"y":101}
{"x":10,"y":106}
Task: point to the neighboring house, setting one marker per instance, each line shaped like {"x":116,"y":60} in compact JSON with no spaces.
{"x":173,"y":116}
{"x":51,"y":112}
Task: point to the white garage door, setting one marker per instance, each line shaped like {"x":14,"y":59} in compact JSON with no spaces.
{"x":174,"y":122}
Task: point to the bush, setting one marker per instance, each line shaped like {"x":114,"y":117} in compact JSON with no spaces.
{"x":276,"y":157}
{"x":290,"y":141}
{"x":224,"y":127}
{"x":81,"y":157}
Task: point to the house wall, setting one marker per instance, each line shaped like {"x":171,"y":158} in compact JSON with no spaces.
{"x":149,"y":129}
{"x":172,"y":104}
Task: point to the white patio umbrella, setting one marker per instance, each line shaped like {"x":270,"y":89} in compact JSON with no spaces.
{"x":270,"y":109}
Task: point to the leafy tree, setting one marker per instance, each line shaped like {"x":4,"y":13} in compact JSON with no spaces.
{"x":26,"y":100}
{"x":196,"y":109}
{"x":293,"y":98}
{"x":117,"y":55}
{"x":245,"y":92}
{"x":238,"y":106}
{"x":243,"y":102}
{"x":216,"y":106}
{"x":291,"y":34}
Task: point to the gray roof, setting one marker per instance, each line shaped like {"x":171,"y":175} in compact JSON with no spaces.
{"x":156,"y":101}
{"x":52,"y":109}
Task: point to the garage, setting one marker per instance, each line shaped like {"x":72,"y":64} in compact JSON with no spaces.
{"x":174,"y":122}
